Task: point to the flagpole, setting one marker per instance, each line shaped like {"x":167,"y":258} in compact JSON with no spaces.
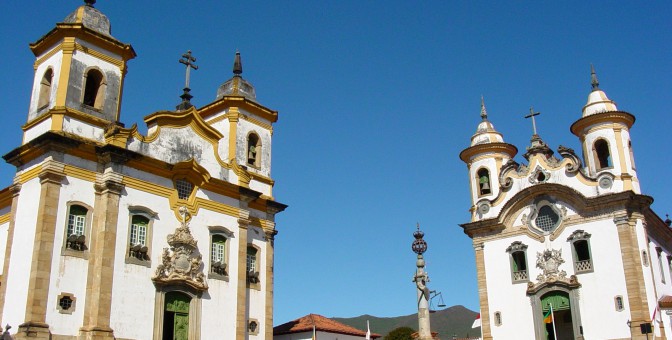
{"x":555,"y":334}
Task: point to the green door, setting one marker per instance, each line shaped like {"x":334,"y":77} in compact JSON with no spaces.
{"x":176,"y":317}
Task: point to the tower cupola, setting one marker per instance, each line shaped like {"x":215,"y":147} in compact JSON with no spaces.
{"x":91,"y":18}
{"x":597,"y":100}
{"x":485,"y":132}
{"x":237,"y":86}
{"x":604,"y":132}
{"x":79,"y":76}
{"x":484,"y":158}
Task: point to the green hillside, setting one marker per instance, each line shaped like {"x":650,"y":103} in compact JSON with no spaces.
{"x":455,"y":320}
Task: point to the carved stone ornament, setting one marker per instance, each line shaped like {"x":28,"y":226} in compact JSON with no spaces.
{"x":549,"y":262}
{"x":539,"y":175}
{"x":179,"y":265}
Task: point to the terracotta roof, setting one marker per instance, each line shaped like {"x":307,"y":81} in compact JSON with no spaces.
{"x":321,"y":323}
{"x":665,"y":302}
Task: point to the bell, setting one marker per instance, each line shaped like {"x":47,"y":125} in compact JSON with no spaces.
{"x":486,"y":186}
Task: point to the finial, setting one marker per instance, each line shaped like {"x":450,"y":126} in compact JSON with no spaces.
{"x":667,"y":220}
{"x":188,"y":60}
{"x":534,"y":123}
{"x":419,"y":245}
{"x":593,"y":78}
{"x":90,"y":3}
{"x":237,"y":65}
{"x":484,"y":114}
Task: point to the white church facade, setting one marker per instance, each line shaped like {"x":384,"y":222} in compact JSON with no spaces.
{"x":569,"y":233}
{"x":106,"y":233}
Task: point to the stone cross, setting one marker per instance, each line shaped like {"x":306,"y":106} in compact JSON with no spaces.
{"x":534,"y":123}
{"x":188,"y":60}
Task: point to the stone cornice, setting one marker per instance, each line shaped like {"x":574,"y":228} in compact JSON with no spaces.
{"x":471,"y":151}
{"x":628,"y":201}
{"x":622,"y":117}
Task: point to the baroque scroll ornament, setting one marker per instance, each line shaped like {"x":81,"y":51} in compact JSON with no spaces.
{"x":179,"y":264}
{"x":548,"y":262}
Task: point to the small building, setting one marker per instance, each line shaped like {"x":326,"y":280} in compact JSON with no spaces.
{"x":320,"y":327}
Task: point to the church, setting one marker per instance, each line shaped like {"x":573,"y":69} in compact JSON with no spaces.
{"x":107,"y":233}
{"x":566,"y":245}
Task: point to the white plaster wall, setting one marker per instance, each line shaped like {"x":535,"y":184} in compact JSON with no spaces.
{"x":596,"y":299}
{"x":133,"y":293}
{"x":319,"y":335}
{"x":37,"y":130}
{"x":83,"y":129}
{"x":263,"y":188}
{"x":91,"y":61}
{"x":22,"y":251}
{"x":223,"y":127}
{"x":244,"y":129}
{"x":505,"y":297}
{"x":55,"y":62}
{"x":491,"y":165}
{"x":610,"y":136}
{"x":4,"y":231}
{"x":177,"y":145}
{"x":68,"y":274}
{"x":220,"y":302}
{"x":97,"y":49}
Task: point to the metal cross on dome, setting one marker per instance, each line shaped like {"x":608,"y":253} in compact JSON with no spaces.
{"x":534,"y":123}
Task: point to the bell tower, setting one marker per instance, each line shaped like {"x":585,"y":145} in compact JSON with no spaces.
{"x":604,"y":132}
{"x":79,"y":76}
{"x":484,"y":158}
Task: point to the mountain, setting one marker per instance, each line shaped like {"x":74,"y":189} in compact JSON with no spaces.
{"x":455,"y":320}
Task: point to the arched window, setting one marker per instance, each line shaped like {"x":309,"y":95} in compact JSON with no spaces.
{"x":94,"y":89}
{"x":253,"y":150}
{"x":76,"y":229}
{"x":583,"y":262}
{"x":518,"y":258}
{"x":602,"y":155}
{"x":45,"y":89}
{"x":252,"y":266}
{"x":138,"y":237}
{"x":218,"y":254}
{"x":484,"y":186}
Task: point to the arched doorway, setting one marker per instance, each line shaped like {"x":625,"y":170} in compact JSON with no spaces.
{"x":176,"y":316}
{"x":559,"y":322}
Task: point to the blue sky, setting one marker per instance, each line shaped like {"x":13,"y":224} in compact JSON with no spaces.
{"x":376,"y":100}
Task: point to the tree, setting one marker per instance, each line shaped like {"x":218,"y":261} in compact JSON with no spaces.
{"x":400,"y":333}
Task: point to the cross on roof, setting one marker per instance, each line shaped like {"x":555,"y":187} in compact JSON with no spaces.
{"x":188,"y":60}
{"x":534,"y":123}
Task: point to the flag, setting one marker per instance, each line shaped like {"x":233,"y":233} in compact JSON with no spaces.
{"x":368,"y":331}
{"x":477,"y":322}
{"x":653,"y":318}
{"x":548,"y":317}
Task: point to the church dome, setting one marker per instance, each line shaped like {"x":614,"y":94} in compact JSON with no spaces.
{"x":90,"y":18}
{"x":485,"y":132}
{"x":598,"y":101}
{"x":237,"y":86}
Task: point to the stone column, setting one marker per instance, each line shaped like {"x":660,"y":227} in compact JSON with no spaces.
{"x":482,"y":291}
{"x":14,"y":189}
{"x":101,"y":263}
{"x":270,"y":245}
{"x":241,"y":299}
{"x":634,"y":277}
{"x":421,"y":280}
{"x":35,"y":326}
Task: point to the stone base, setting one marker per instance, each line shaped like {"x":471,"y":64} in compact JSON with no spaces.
{"x":96,"y":333}
{"x":33,"y":330}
